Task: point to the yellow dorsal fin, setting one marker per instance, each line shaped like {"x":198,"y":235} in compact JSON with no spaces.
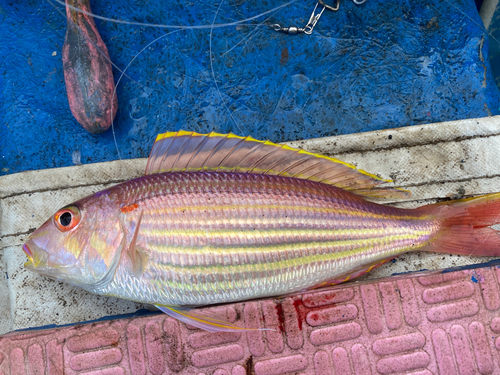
{"x":185,"y":151}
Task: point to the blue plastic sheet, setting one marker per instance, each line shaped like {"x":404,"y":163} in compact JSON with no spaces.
{"x":374,"y":66}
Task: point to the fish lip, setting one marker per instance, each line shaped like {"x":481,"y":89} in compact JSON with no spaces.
{"x":28,"y":252}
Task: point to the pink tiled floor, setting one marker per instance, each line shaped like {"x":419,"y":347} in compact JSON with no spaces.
{"x":433,"y":324}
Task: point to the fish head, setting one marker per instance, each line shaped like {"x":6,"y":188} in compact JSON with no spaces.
{"x":80,"y":244}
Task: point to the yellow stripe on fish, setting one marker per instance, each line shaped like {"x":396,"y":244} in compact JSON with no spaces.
{"x":343,"y":249}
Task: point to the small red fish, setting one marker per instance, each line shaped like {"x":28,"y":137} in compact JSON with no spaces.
{"x":87,"y":71}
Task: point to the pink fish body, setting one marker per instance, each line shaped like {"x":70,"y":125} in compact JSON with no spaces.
{"x":222,"y":218}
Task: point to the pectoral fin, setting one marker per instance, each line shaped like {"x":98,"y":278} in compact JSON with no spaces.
{"x":137,"y":255}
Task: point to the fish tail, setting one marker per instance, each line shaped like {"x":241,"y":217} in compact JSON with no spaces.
{"x":465,"y":226}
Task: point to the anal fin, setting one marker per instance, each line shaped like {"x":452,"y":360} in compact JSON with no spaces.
{"x":191,"y":317}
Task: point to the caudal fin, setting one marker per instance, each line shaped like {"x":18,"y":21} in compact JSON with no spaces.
{"x":465,"y":226}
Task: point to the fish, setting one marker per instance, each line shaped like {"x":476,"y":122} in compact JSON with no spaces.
{"x":88,"y":73}
{"x":221,"y":218}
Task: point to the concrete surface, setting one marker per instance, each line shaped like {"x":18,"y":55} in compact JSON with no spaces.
{"x":411,"y":324}
{"x":374,"y":66}
{"x":435,"y":162}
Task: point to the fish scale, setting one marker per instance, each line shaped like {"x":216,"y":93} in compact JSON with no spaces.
{"x":298,"y":229}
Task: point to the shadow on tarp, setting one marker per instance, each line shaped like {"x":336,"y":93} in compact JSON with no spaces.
{"x":367,"y":67}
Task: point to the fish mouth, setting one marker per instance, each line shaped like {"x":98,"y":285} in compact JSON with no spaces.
{"x":28,"y":252}
{"x":37,"y":257}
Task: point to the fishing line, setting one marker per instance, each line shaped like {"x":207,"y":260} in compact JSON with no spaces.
{"x":213,"y":25}
{"x":115,"y":66}
{"x":96,"y":46}
{"x":250,"y":34}
{"x":474,"y":21}
{"x":177,"y":29}
{"x":120,"y":78}
{"x":213,"y":72}
{"x":165,"y":26}
{"x":212,"y":65}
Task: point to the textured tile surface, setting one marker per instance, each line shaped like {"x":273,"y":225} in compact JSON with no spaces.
{"x":444,"y":323}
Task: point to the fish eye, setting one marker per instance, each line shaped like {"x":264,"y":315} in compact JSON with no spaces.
{"x":67,"y":218}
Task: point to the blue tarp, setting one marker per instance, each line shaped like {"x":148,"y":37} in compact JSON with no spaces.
{"x":374,"y":66}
